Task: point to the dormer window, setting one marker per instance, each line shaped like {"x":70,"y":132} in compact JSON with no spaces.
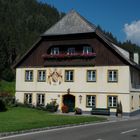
{"x":71,"y":51}
{"x":87,"y":50}
{"x":55,"y":51}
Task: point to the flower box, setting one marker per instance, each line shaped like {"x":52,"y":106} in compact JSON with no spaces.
{"x":75,"y":55}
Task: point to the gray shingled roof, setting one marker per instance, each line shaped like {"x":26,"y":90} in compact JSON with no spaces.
{"x":71,"y":23}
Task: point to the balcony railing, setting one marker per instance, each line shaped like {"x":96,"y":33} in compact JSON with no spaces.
{"x":75,"y":55}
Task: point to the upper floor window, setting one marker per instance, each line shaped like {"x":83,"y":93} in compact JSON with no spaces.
{"x":87,"y":50}
{"x":29,"y":75}
{"x":112,"y":76}
{"x":69,"y":75}
{"x":55,"y":51}
{"x":91,"y":101}
{"x":112,"y":101}
{"x":91,"y":76}
{"x":42,"y":75}
{"x":71,"y":50}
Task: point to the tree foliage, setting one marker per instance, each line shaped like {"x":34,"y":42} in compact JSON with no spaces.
{"x":21,"y":23}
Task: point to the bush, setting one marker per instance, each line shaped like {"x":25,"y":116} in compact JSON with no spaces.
{"x":2,"y":106}
{"x":52,"y":106}
{"x":78,"y":111}
{"x":65,"y":109}
{"x":7,"y":98}
{"x":119,"y":109}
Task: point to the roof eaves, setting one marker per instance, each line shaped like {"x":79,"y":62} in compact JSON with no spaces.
{"x":116,"y":50}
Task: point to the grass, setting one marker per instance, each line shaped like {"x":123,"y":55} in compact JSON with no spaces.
{"x":20,"y":118}
{"x":8,"y":87}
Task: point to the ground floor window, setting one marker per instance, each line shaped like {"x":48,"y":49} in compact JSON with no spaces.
{"x":112,"y":101}
{"x":41,"y":99}
{"x":91,"y":101}
{"x":28,"y":98}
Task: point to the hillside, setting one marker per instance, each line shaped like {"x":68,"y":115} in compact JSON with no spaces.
{"x":21,"y":23}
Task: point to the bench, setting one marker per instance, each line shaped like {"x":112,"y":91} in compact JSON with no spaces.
{"x":100,"y":111}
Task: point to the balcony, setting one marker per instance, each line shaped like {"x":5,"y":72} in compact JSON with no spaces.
{"x":63,"y":56}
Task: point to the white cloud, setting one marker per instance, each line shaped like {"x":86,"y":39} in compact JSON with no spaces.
{"x":132,"y":32}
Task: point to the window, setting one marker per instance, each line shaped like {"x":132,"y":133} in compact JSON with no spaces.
{"x":28,"y":98}
{"x":41,"y":99}
{"x":28,"y":75}
{"x":91,"y":76}
{"x":69,"y":75}
{"x":112,"y":76}
{"x":55,"y":51}
{"x":91,"y":101}
{"x":71,"y":50}
{"x":41,"y":75}
{"x":87,"y":50}
{"x":112,"y":101}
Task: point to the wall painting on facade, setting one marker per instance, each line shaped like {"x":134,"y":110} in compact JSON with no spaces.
{"x":55,"y":77}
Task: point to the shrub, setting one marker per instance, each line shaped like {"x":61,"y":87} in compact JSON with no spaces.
{"x":40,"y":107}
{"x":119,"y":109}
{"x":2,"y":106}
{"x":7,"y":98}
{"x":78,"y":111}
{"x":65,"y":109}
{"x":52,"y":106}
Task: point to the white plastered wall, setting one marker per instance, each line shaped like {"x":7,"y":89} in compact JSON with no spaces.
{"x":101,"y":88}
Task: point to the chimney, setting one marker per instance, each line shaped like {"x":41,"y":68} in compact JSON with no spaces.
{"x":136,"y":58}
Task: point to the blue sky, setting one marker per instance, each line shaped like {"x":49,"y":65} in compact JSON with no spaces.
{"x":121,"y":17}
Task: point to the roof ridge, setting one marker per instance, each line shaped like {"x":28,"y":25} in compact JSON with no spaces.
{"x":86,"y":21}
{"x":71,"y":23}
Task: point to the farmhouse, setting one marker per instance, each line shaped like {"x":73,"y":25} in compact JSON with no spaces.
{"x":73,"y":63}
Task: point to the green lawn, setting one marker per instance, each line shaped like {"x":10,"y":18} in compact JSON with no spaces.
{"x":19,"y":118}
{"x":8,"y":87}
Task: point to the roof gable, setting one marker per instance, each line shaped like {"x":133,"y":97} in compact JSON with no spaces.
{"x":74,"y":24}
{"x":71,"y":23}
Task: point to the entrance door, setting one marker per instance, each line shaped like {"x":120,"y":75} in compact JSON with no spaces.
{"x":69,"y":100}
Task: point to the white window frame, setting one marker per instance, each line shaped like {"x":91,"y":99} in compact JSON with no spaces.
{"x":91,"y":100}
{"x":91,"y":75}
{"x":68,"y":75}
{"x":28,"y":98}
{"x":55,"y":51}
{"x":29,"y":75}
{"x":113,"y":102}
{"x":71,"y":51}
{"x":41,"y":99}
{"x":112,"y":75}
{"x":41,"y":75}
{"x":87,"y":50}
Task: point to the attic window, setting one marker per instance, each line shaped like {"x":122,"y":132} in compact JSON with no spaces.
{"x":87,"y":50}
{"x":55,"y":51}
{"x":71,"y":51}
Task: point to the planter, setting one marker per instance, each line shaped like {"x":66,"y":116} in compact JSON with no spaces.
{"x":78,"y":111}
